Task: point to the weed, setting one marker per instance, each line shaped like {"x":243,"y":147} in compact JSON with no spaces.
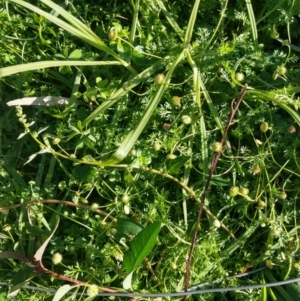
{"x":104,"y":191}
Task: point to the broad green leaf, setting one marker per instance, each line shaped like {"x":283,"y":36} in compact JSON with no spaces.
{"x":75,"y":55}
{"x":219,"y":181}
{"x":141,"y":246}
{"x":13,"y":255}
{"x":128,"y":178}
{"x":139,"y":57}
{"x":294,"y":290}
{"x":19,"y":279}
{"x":84,"y":173}
{"x":127,"y":226}
{"x":22,"y":275}
{"x":15,"y":290}
{"x":174,"y":165}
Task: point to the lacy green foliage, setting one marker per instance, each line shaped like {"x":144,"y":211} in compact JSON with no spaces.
{"x":93,"y":245}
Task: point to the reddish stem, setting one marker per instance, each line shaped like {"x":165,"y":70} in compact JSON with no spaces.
{"x":234,"y":108}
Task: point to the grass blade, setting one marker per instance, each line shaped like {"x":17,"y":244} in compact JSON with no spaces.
{"x":7,"y":71}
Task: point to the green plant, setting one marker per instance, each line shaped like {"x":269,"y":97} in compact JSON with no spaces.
{"x":150,"y":88}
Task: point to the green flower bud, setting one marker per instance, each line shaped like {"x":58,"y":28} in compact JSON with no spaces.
{"x":56,"y":141}
{"x":261,"y":204}
{"x":94,"y":206}
{"x":171,"y":156}
{"x":159,"y":79}
{"x":125,"y":198}
{"x":282,"y":195}
{"x":274,"y":33}
{"x":157,"y":146}
{"x":62,"y":185}
{"x":269,"y":264}
{"x":234,"y":191}
{"x":113,"y":34}
{"x":217,"y":223}
{"x":264,"y":127}
{"x":126,"y":209}
{"x":281,"y":70}
{"x":244,"y":191}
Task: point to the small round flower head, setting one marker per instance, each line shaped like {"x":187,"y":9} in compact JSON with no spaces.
{"x":7,"y":228}
{"x":239,"y":76}
{"x":159,"y":79}
{"x":276,"y":232}
{"x":269,"y":264}
{"x":258,"y":142}
{"x":171,"y":156}
{"x":261,"y":204}
{"x":112,"y":34}
{"x":176,"y":100}
{"x":244,"y":191}
{"x":57,"y":258}
{"x":234,"y":191}
{"x":133,"y":153}
{"x":94,"y":206}
{"x":93,"y":290}
{"x":56,"y":141}
{"x":186,"y":119}
{"x":255,"y":169}
{"x":62,"y":185}
{"x":281,"y":70}
{"x":216,"y":147}
{"x":217,"y":223}
{"x":156,"y":146}
{"x":126,"y":209}
{"x":125,"y":198}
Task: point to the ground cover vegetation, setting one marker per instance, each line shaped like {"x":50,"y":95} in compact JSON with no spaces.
{"x":102,"y":193}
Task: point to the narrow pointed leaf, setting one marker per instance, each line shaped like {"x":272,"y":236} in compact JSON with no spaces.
{"x":6,"y":71}
{"x":39,"y":253}
{"x":133,"y":135}
{"x":62,"y":291}
{"x":13,"y":255}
